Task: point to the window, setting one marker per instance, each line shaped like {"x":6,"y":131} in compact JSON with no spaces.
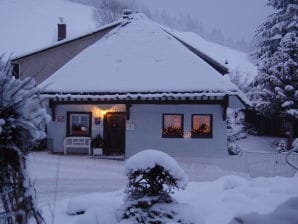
{"x":16,"y":70}
{"x":201,"y":126}
{"x":79,"y":123}
{"x":172,"y":126}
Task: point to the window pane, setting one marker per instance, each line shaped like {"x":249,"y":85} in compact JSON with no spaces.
{"x":79,"y":124}
{"x":172,"y":126}
{"x":201,"y":126}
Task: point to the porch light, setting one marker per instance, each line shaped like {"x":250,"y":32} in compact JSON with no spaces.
{"x":97,"y":113}
{"x":103,"y":113}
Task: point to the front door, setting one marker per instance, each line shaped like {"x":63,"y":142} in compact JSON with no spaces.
{"x":114,"y":133}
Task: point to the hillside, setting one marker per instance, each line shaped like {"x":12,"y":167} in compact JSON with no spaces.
{"x":30,"y":24}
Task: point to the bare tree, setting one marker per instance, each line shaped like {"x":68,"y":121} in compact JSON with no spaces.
{"x":107,"y":11}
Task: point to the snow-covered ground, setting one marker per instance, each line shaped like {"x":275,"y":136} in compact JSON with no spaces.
{"x":219,"y":188}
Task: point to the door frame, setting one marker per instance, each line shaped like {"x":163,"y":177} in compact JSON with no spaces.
{"x":105,"y":128}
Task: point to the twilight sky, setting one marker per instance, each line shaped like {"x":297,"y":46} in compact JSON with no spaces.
{"x":236,"y":18}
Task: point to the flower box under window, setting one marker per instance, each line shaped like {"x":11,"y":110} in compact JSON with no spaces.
{"x":172,"y":126}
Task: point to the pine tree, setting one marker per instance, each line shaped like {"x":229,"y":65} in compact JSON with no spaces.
{"x":276,"y":86}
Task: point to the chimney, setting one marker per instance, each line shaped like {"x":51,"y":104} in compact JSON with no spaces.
{"x":126,"y":13}
{"x":61,"y":29}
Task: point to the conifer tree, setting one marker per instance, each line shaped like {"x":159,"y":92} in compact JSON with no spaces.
{"x":275,"y":90}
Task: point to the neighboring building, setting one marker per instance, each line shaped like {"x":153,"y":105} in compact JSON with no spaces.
{"x":138,"y":86}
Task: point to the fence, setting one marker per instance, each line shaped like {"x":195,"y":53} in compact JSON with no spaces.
{"x":254,"y":164}
{"x":269,"y":164}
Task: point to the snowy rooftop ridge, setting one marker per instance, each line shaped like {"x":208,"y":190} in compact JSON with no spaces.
{"x":139,"y":56}
{"x":110,"y":25}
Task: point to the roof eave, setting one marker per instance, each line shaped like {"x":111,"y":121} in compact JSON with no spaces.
{"x":212,"y":62}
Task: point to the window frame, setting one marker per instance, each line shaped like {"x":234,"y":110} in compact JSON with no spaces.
{"x":68,"y":123}
{"x":197,"y":135}
{"x":163,"y":125}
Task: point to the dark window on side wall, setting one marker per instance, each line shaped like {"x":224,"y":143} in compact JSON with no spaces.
{"x":172,"y":126}
{"x":16,"y":70}
{"x":79,"y":123}
{"x":201,"y":126}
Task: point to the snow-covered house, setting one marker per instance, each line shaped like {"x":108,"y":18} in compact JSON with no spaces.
{"x":139,"y":86}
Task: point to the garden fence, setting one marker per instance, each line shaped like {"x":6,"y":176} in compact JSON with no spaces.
{"x":269,"y":164}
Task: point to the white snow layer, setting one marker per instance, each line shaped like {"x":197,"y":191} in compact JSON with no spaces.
{"x":286,"y":213}
{"x":32,"y":24}
{"x":208,"y":202}
{"x":139,"y":56}
{"x":148,"y":159}
{"x":234,"y":60}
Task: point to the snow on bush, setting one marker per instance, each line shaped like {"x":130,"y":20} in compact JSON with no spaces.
{"x":295,"y":145}
{"x":286,"y":213}
{"x":235,"y":125}
{"x":23,"y":119}
{"x":233,"y":149}
{"x":282,"y":147}
{"x":148,"y":159}
{"x":152,"y":178}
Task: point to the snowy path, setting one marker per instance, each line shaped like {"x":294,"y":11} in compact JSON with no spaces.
{"x":79,"y":175}
{"x":76,"y":175}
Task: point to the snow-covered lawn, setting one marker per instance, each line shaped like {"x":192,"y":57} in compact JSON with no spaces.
{"x":259,"y":144}
{"x":219,"y":188}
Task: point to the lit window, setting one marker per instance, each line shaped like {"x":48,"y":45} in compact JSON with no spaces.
{"x":201,"y":126}
{"x":79,"y":123}
{"x":172,"y":126}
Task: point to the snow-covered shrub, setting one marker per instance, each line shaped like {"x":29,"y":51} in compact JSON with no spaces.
{"x":235,"y":125}
{"x":22,"y":122}
{"x":234,"y":149}
{"x":282,"y":147}
{"x":152,"y":178}
{"x":295,"y":145}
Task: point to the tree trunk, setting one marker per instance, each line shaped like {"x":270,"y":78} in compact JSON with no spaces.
{"x":290,"y":134}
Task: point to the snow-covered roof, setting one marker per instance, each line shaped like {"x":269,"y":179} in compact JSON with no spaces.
{"x":234,"y":60}
{"x":67,"y":40}
{"x":32,"y":24}
{"x":138,"y":57}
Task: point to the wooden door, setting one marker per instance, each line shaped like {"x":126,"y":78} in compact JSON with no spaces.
{"x":114,"y":133}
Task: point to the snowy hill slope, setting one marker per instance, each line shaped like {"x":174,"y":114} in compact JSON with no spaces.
{"x":30,"y":24}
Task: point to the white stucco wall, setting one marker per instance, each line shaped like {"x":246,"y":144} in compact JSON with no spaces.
{"x":147,"y":131}
{"x":56,"y":130}
{"x":144,"y":129}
